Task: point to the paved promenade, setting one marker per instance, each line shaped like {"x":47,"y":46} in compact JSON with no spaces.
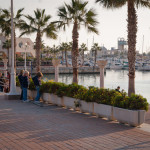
{"x":26,"y":126}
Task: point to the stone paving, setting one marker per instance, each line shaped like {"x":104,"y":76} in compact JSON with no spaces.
{"x":147,"y":117}
{"x":26,"y":126}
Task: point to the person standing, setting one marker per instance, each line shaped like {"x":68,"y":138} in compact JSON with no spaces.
{"x":20,"y":77}
{"x":37,"y":83}
{"x":1,"y":82}
{"x":25,"y":85}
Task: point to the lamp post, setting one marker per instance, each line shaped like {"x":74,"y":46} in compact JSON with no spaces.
{"x":13,"y":73}
{"x":25,"y":59}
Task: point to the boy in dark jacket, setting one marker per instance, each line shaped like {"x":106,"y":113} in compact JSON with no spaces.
{"x":20,"y":77}
{"x":37,"y":83}
{"x":25,"y":85}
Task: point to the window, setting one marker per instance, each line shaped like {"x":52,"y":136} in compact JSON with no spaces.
{"x":20,"y":44}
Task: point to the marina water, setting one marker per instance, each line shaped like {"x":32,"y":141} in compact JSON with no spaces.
{"x":113,"y":78}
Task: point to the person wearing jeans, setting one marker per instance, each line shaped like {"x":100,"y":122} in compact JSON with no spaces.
{"x":25,"y":85}
{"x":20,"y":77}
{"x":38,"y":93}
{"x":37,"y":83}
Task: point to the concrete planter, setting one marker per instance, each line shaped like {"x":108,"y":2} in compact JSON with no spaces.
{"x":46,"y":97}
{"x":102,"y":110}
{"x":87,"y":107}
{"x":31,"y":94}
{"x":54,"y":99}
{"x":59,"y":101}
{"x":131,"y":117}
{"x":69,"y":102}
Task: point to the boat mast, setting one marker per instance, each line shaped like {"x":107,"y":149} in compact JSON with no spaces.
{"x":142,"y":48}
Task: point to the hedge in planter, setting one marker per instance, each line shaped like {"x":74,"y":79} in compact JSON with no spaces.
{"x":93,"y":94}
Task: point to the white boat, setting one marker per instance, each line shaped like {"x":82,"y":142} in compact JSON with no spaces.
{"x":144,"y":67}
{"x":116,"y":66}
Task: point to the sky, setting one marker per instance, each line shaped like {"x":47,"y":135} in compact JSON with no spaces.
{"x":112,"y":23}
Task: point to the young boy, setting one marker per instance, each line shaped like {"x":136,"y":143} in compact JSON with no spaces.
{"x":37,"y":83}
{"x":20,"y":77}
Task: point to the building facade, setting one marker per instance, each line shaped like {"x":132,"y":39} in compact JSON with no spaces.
{"x":22,"y":45}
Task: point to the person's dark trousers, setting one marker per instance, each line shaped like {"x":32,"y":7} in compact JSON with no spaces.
{"x":21,"y":96}
{"x":1,"y":88}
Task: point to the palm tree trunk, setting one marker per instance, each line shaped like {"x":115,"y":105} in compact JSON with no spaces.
{"x":66,"y":58}
{"x":38,"y":49}
{"x":132,"y":31}
{"x":62,"y":55}
{"x":75,"y":52}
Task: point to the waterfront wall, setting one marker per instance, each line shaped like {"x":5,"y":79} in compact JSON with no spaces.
{"x":62,"y":70}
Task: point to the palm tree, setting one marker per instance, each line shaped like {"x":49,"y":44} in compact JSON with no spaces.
{"x":77,"y":14}
{"x":7,"y":45}
{"x":54,"y":51}
{"x":65,"y":47}
{"x":5,"y":25}
{"x":94,"y":49}
{"x":40,"y":25}
{"x":132,"y":32}
{"x":82,"y":49}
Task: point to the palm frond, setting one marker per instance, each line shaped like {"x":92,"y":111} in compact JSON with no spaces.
{"x":51,"y":31}
{"x":19,"y":13}
{"x":142,"y":3}
{"x":92,"y":29}
{"x":111,"y":3}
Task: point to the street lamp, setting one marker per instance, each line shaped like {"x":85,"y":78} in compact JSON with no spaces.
{"x":25,"y":59}
{"x":13,"y":73}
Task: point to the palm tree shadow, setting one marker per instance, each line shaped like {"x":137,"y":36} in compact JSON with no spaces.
{"x":142,"y":145}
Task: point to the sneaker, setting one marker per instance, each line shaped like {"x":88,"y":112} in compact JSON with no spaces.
{"x":25,"y":101}
{"x":36,"y":102}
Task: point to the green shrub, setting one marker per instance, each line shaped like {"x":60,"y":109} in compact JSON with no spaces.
{"x":101,"y":96}
{"x":81,"y":94}
{"x":121,"y":101}
{"x":61,"y":91}
{"x":44,"y":88}
{"x":17,"y":81}
{"x":31,"y":85}
{"x":137,"y":102}
{"x":93,"y":94}
{"x":54,"y":87}
{"x":74,"y":89}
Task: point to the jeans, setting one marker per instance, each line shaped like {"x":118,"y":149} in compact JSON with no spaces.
{"x":1,"y":88}
{"x":24,"y":94}
{"x":38,"y":93}
{"x":21,"y":96}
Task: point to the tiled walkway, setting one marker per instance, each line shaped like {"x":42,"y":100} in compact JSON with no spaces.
{"x":25,"y":126}
{"x":147,"y":117}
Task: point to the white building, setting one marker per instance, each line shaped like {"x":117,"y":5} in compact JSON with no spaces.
{"x":22,"y":45}
{"x":25,"y":45}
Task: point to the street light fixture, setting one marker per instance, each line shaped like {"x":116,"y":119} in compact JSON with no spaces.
{"x":25,"y":59}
